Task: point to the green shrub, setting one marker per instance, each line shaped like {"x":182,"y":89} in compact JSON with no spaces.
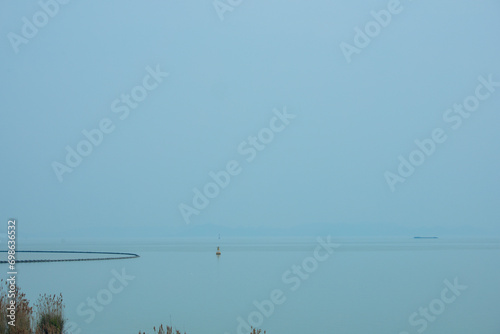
{"x":49,"y":315}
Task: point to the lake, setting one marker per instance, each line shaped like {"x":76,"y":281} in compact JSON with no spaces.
{"x":303,"y":285}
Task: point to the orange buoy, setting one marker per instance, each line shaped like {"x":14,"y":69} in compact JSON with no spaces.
{"x":218,"y":251}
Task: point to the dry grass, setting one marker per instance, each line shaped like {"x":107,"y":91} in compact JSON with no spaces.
{"x":169,"y":330}
{"x":47,"y":320}
{"x":24,"y":313}
{"x":161,"y":330}
{"x":257,"y":331}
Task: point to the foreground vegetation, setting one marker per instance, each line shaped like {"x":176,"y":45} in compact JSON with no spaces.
{"x":169,"y":330}
{"x":45,"y":317}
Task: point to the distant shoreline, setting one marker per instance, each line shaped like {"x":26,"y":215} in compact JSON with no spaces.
{"x":269,"y":244}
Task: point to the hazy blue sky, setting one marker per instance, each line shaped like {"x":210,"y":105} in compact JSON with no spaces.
{"x":326,"y":169}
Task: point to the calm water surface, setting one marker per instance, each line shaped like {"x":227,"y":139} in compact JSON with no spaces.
{"x":376,"y":287}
